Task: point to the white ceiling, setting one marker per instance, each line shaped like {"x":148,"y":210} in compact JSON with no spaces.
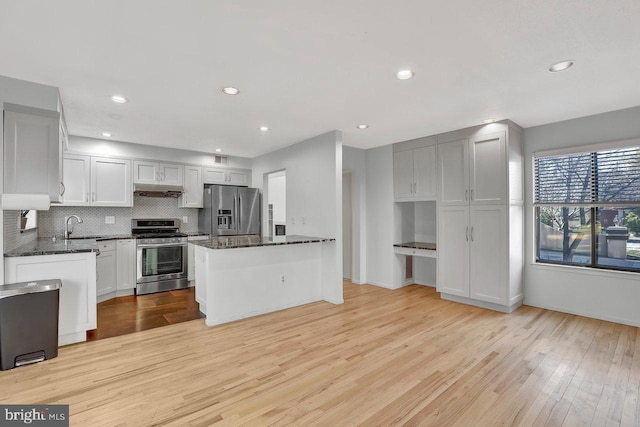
{"x":305,"y":68}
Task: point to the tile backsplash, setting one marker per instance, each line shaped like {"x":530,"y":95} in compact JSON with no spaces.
{"x":51,"y":222}
{"x":13,"y":237}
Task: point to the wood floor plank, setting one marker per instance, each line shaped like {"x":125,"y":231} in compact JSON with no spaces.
{"x":402,"y":357}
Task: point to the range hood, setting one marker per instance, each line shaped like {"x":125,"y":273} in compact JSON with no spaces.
{"x":157,"y":190}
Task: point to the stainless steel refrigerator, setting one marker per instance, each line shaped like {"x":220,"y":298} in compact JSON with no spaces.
{"x":229,"y":211}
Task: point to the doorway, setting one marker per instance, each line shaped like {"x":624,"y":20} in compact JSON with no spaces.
{"x":347,"y":217}
{"x":277,"y":203}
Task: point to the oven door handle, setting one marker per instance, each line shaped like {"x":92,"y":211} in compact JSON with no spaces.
{"x":158,"y":245}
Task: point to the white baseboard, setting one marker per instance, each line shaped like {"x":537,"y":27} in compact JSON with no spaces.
{"x":481,"y":304}
{"x":382,"y":285}
{"x":586,"y":314}
{"x":431,"y":285}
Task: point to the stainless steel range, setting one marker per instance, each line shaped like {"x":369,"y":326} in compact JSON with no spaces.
{"x":161,"y":255}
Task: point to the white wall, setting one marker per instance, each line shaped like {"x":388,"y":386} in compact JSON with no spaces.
{"x":354,"y":161}
{"x":604,"y":295}
{"x":101,"y":147}
{"x":314,"y":197}
{"x":382,"y":264}
{"x":347,"y":232}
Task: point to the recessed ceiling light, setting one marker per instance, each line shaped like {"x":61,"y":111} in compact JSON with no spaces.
{"x":106,"y":134}
{"x":218,"y":150}
{"x":561,"y":66}
{"x":264,"y":128}
{"x":362,"y":126}
{"x":119,"y":99}
{"x":230,"y":90}
{"x":404,"y":74}
{"x":487,"y":121}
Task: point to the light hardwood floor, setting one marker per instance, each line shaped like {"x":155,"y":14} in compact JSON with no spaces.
{"x":384,"y":357}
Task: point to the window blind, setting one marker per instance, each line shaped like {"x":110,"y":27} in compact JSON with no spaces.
{"x":593,"y":178}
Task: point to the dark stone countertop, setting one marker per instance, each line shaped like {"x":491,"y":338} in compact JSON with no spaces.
{"x":195,"y":233}
{"x":45,"y":246}
{"x":417,"y":245}
{"x":100,"y":238}
{"x":231,"y":242}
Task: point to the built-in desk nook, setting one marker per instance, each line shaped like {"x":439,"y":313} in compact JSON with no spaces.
{"x":416,"y":249}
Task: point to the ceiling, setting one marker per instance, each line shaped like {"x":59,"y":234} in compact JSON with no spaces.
{"x":304,"y":68}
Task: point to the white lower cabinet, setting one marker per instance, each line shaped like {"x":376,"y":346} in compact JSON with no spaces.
{"x":125,"y":265}
{"x":106,"y":268}
{"x":201,"y":268}
{"x":453,"y":250}
{"x":191,"y":259}
{"x":488,"y":254}
{"x":473,"y":255}
{"x":77,"y":271}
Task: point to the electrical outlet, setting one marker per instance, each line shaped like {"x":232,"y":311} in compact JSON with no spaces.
{"x":185,"y":219}
{"x":283,"y":279}
{"x":109,"y":219}
{"x":304,"y":219}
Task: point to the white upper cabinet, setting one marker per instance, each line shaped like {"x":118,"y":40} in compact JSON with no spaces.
{"x":488,"y":166}
{"x":453,"y":173}
{"x":32,"y":151}
{"x":424,"y":170}
{"x":97,"y":181}
{"x":224,"y":176}
{"x":77,"y":180}
{"x":473,"y":171}
{"x":111,"y":182}
{"x":414,"y":170}
{"x":170,"y":173}
{"x":193,"y":188}
{"x":145,"y":172}
{"x":403,"y":179}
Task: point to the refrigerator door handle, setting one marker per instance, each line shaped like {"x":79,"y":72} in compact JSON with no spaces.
{"x":236,"y":217}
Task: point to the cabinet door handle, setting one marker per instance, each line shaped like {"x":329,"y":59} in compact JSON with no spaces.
{"x":472,"y":194}
{"x":410,"y":188}
{"x":415,"y":188}
{"x":466,"y":234}
{"x":63,"y":188}
{"x":93,"y":196}
{"x":472,"y":233}
{"x":466,"y":195}
{"x":87,"y":199}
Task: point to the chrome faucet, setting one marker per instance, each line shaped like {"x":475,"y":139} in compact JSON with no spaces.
{"x":66,"y":224}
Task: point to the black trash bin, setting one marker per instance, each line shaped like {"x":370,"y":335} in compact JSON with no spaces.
{"x":28,"y":322}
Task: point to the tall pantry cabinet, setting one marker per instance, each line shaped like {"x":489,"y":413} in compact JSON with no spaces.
{"x":480,"y":216}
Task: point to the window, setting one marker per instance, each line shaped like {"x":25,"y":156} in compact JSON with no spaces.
{"x":588,"y":208}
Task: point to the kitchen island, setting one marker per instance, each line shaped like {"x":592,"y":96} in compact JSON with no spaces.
{"x":244,"y":276}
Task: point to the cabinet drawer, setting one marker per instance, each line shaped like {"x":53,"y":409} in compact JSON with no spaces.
{"x":415,"y":252}
{"x":107,"y":245}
